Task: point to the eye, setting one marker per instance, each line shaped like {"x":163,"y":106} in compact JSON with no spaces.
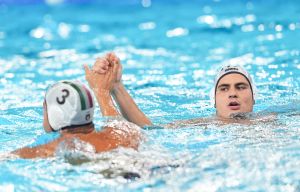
{"x":241,"y":87}
{"x":222,"y":89}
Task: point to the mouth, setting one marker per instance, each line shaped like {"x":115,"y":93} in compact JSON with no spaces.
{"x":234,"y":105}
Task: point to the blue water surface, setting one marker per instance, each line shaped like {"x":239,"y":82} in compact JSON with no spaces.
{"x":170,"y":51}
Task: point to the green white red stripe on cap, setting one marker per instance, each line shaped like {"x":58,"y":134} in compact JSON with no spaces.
{"x":84,"y":94}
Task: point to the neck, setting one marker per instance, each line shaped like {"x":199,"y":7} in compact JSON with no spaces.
{"x":84,"y":129}
{"x":235,"y":118}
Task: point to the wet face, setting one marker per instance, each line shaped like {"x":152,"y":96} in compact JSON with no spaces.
{"x":46,"y":124}
{"x":233,"y":95}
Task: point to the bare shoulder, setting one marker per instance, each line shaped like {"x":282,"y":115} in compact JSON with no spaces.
{"x":41,"y":151}
{"x":111,"y":137}
{"x":190,"y":122}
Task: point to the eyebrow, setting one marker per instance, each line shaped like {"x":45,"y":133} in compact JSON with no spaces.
{"x":223,"y":85}
{"x":236,"y":84}
{"x":241,"y":83}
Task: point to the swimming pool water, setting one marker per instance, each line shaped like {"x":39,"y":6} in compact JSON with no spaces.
{"x":170,"y":51}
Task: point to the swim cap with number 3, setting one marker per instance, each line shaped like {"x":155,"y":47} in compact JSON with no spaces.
{"x":69,"y":103}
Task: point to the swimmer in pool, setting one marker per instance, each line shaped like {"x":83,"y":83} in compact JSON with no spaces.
{"x":69,"y":109}
{"x":233,"y":95}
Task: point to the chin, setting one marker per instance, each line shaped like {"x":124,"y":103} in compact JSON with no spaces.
{"x":224,"y":116}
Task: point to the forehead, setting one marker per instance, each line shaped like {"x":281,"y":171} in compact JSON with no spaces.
{"x":233,"y":78}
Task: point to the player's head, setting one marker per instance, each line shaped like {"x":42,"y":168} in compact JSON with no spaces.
{"x":234,"y":91}
{"x":67,"y":104}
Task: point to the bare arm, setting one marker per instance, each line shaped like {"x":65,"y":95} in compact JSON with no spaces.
{"x":101,"y":85}
{"x":189,"y":123}
{"x":116,"y":132}
{"x":127,"y":105}
{"x":106,"y":104}
{"x":42,"y":151}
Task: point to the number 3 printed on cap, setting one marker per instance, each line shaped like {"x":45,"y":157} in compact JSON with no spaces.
{"x":62,"y":100}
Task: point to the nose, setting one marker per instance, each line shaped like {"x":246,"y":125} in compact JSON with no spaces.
{"x":232,"y":93}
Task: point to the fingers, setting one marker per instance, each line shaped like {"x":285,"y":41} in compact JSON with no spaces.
{"x":101,"y":65}
{"x":109,"y":66}
{"x":112,"y":57}
{"x":120,"y":68}
{"x":100,"y":70}
{"x":115,"y":69}
{"x":87,"y":69}
{"x":116,"y":59}
{"x":102,"y":60}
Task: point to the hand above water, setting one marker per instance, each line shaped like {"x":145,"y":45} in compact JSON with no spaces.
{"x":105,"y":76}
{"x":127,"y":105}
{"x":103,"y":65}
{"x":102,"y":85}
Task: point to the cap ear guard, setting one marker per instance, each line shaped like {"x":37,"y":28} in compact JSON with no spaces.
{"x":58,"y":100}
{"x":58,"y":121}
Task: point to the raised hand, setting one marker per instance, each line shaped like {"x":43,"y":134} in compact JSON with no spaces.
{"x":107,"y":74}
{"x":102,"y":66}
{"x":103,"y":81}
{"x":102,"y":85}
{"x":114,"y":60}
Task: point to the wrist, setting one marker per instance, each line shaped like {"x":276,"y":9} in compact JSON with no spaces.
{"x":106,"y":104}
{"x":102,"y":92}
{"x":117,"y":87}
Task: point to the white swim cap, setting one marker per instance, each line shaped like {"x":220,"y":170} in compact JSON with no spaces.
{"x":69,"y":103}
{"x":228,"y":69}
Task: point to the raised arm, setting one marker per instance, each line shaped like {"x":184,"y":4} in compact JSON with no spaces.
{"x":101,"y":84}
{"x":127,"y":105}
{"x":116,"y":132}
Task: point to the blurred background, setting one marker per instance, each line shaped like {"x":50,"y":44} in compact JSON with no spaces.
{"x":170,"y":51}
